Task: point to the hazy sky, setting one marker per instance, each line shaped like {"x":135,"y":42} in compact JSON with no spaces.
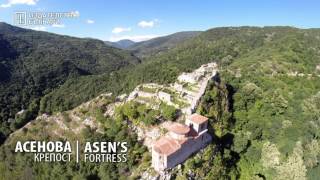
{"x":143,"y":19}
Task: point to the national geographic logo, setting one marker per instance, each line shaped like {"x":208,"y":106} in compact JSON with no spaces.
{"x":24,"y":18}
{"x":20,"y":18}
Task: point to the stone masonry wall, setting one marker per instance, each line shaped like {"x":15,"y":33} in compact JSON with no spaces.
{"x":187,"y":149}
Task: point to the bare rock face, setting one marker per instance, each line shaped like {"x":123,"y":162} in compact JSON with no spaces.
{"x":148,"y":176}
{"x":139,"y":131}
{"x":147,"y":135}
{"x":165,"y":175}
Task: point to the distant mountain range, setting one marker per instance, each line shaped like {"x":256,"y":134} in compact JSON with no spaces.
{"x":154,"y":46}
{"x":122,"y":44}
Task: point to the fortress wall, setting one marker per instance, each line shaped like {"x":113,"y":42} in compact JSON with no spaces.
{"x":201,"y":92}
{"x":146,"y":94}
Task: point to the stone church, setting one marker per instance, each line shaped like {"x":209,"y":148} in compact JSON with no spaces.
{"x":181,"y":141}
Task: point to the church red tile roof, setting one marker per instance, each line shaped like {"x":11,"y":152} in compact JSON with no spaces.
{"x":196,"y":118}
{"x":179,"y":128}
{"x":166,"y":145}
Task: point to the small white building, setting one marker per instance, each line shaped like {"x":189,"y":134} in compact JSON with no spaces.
{"x":188,"y":77}
{"x":180,"y":142}
{"x":178,"y":87}
{"x":197,"y":122}
{"x":133,"y":94}
{"x":188,"y":96}
{"x":146,"y":94}
{"x":198,"y":74}
{"x":121,"y":97}
{"x":166,"y":97}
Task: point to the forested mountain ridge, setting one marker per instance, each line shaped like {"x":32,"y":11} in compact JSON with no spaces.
{"x":274,"y":73}
{"x":160,"y":44}
{"x":223,"y":45}
{"x":264,"y":112}
{"x":32,"y":63}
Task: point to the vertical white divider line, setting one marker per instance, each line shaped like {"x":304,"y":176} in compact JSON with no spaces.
{"x":77,"y":152}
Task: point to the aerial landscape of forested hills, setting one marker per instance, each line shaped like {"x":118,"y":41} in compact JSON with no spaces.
{"x":269,"y":75}
{"x":33,"y":63}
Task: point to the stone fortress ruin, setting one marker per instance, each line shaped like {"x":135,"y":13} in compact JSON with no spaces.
{"x":182,"y":139}
{"x":183,"y":94}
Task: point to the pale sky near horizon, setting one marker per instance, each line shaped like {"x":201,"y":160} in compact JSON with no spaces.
{"x":138,"y":20}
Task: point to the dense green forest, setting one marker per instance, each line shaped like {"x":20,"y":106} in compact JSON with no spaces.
{"x":33,"y":63}
{"x":273,"y":73}
{"x":264,"y":113}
